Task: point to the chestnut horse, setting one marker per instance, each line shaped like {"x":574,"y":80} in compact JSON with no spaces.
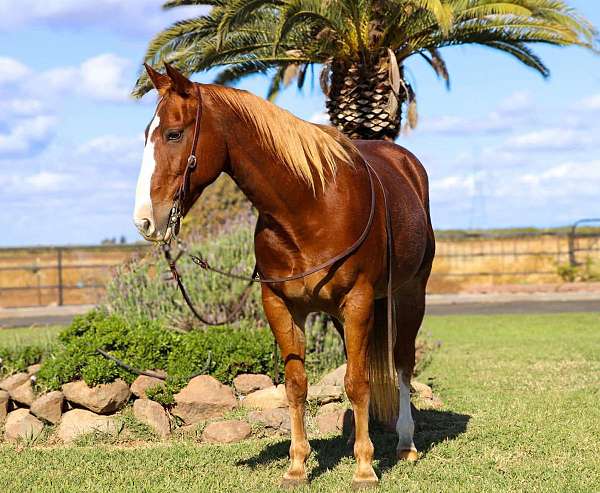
{"x":312,"y":189}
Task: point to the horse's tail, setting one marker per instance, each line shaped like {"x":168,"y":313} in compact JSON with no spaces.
{"x":383,"y":378}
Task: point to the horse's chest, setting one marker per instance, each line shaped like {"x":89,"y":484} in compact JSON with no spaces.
{"x":311,"y":290}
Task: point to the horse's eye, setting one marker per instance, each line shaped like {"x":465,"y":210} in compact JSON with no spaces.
{"x":174,"y":135}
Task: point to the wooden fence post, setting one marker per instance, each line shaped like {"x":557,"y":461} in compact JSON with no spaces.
{"x":59,"y":267}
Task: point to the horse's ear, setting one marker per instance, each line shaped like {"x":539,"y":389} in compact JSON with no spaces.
{"x":180,"y":83}
{"x":161,"y":82}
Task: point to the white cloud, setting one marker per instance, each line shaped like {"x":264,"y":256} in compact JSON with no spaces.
{"x":29,"y":101}
{"x":21,"y":106}
{"x":517,"y":102}
{"x":551,"y":139}
{"x":105,"y":77}
{"x":46,"y":181}
{"x":512,"y":112}
{"x":117,"y":150}
{"x":130,"y":17}
{"x":590,"y":103}
{"x":26,"y":135}
{"x":454,"y":184}
{"x":321,"y":117}
{"x":569,"y":177}
{"x":12,"y":70}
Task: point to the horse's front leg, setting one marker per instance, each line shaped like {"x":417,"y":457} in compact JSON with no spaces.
{"x":358,"y":323}
{"x":288,"y":328}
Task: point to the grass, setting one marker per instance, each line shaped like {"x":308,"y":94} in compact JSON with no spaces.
{"x":521,"y":414}
{"x":29,"y":336}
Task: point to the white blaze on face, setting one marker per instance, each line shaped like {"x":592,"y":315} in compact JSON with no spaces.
{"x":143,"y":201}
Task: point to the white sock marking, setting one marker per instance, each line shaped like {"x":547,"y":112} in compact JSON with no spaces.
{"x":405,"y":426}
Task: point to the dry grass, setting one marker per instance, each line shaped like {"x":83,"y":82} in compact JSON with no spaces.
{"x":461,"y":265}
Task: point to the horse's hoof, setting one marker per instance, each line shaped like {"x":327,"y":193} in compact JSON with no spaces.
{"x":291,"y":483}
{"x":362,"y":484}
{"x":409,"y":455}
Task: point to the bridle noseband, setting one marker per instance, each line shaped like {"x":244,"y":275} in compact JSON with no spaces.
{"x":177,"y":210}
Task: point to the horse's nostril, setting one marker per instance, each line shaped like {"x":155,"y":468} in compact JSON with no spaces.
{"x":143,"y":225}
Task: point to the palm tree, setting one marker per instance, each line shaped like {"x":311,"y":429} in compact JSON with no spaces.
{"x":361,"y":45}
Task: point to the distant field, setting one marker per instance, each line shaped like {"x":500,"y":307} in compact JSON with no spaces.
{"x":521,"y":414}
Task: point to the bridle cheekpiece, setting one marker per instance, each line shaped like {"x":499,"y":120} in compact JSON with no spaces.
{"x":177,"y":209}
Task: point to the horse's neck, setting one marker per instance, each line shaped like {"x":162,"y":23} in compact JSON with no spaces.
{"x":267,"y":183}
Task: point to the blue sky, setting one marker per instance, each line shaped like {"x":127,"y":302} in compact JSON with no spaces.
{"x":503,"y":148}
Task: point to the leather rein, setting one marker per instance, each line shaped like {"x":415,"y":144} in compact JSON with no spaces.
{"x":177,"y":212}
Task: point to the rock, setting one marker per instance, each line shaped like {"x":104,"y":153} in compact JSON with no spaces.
{"x":143,"y":383}
{"x":335,"y":377}
{"x":247,"y":383}
{"x":327,"y":424}
{"x":14,"y":381}
{"x":49,"y":406}
{"x":421,"y":390}
{"x":202,"y":398}
{"x":152,"y":414}
{"x":329,"y":408}
{"x":424,"y":396}
{"x":21,"y":425}
{"x":226,"y":432}
{"x":79,"y":422}
{"x":23,"y":394}
{"x":34,"y":369}
{"x":332,"y":418}
{"x":272,"y":419}
{"x":270,"y":398}
{"x":323,"y":394}
{"x":102,"y":399}
{"x":4,"y":399}
{"x":434,"y":403}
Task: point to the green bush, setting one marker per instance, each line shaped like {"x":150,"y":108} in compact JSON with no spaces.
{"x":142,"y":289}
{"x":588,"y":271}
{"x":19,"y":358}
{"x":223,"y":352}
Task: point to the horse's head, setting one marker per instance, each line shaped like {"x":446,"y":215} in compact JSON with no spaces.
{"x":169,"y":142}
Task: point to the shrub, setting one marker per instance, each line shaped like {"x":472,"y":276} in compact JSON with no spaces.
{"x":19,"y":358}
{"x":143,"y":289}
{"x":587,"y":271}
{"x":223,"y":352}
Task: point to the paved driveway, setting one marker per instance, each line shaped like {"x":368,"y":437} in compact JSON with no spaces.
{"x":462,"y":304}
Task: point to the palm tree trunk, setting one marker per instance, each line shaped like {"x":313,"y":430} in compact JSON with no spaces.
{"x":361,"y":101}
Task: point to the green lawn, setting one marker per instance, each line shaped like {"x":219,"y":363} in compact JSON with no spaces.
{"x":29,"y":336}
{"x":522,"y":413}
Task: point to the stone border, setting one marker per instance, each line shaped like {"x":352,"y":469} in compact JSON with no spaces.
{"x":252,"y":407}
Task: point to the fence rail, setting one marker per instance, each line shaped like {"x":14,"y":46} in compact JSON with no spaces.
{"x":467,"y":261}
{"x":59,"y":275}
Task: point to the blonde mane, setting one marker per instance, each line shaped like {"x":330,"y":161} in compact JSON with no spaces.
{"x":312,"y":152}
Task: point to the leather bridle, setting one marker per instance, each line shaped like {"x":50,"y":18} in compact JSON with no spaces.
{"x":177,"y":212}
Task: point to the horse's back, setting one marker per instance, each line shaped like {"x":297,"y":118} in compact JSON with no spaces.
{"x":397,"y":166}
{"x":407,"y":186}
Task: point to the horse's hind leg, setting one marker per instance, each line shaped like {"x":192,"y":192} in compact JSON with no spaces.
{"x":410,"y":308}
{"x":358,"y":323}
{"x":289,"y":333}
